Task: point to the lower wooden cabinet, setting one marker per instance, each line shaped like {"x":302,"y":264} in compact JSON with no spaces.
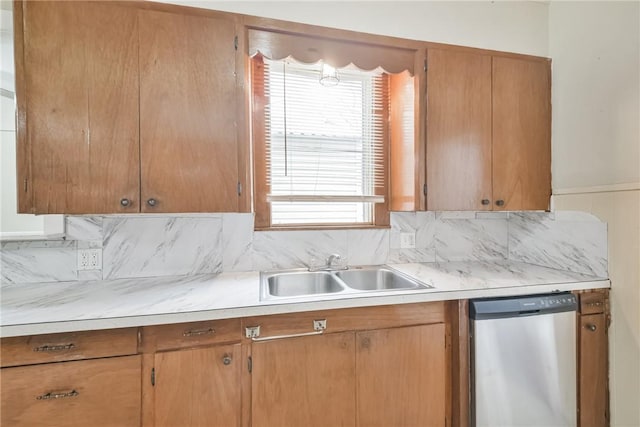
{"x":593,"y":365}
{"x":401,"y":376}
{"x":361,"y":376}
{"x":98,"y":393}
{"x":305,"y":381}
{"x":197,"y":387}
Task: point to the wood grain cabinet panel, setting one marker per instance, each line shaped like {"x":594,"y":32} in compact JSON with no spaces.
{"x":100,"y":393}
{"x":198,"y":387}
{"x":521,"y":134}
{"x":488,"y":132}
{"x":306,"y":381}
{"x":593,"y":371}
{"x":187,"y":113}
{"x":401,"y":377}
{"x":80,"y":93}
{"x":458,"y":130}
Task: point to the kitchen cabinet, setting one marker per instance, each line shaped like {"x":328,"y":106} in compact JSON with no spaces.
{"x":305,"y":381}
{"x":372,"y":367}
{"x":593,"y":378}
{"x":95,"y":380}
{"x":124,"y":109}
{"x":77,"y":100}
{"x":188,"y":147}
{"x":192,"y":374}
{"x":488,"y":132}
{"x":198,"y":387}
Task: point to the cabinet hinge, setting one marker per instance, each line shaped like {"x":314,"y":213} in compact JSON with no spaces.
{"x":424,"y":189}
{"x":239,"y":189}
{"x":26,"y":184}
{"x":235,"y":42}
{"x":250,"y":364}
{"x":425,"y":64}
{"x":153,"y":376}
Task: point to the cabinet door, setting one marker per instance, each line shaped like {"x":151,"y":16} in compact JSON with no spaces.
{"x":307,"y":381}
{"x":199,"y":387}
{"x":458,"y":131}
{"x":521,"y":134}
{"x":593,"y":371}
{"x":401,"y":376}
{"x":188,"y":144}
{"x":99,"y":392}
{"x":81,"y":100}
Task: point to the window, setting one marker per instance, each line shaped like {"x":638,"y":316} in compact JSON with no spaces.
{"x":321,"y":152}
{"x":325,"y":159}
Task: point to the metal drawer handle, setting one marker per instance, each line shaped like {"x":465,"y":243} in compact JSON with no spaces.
{"x":49,"y":396}
{"x":61,"y":347}
{"x":196,"y":332}
{"x":253,"y":332}
{"x":591,"y":327}
{"x":599,"y":303}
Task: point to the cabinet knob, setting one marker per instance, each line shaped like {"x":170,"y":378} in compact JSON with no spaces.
{"x":226,"y":360}
{"x":500,"y":202}
{"x":152,"y":202}
{"x":591,"y":327}
{"x":485,"y":202}
{"x":125,"y":202}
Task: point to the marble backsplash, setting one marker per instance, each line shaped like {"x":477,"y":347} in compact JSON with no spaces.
{"x":152,"y":246}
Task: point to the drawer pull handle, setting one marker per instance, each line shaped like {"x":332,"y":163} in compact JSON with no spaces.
{"x":61,"y":347}
{"x":197,"y":332}
{"x":597,"y":304}
{"x":591,"y":327}
{"x":319,"y":327}
{"x":50,"y":396}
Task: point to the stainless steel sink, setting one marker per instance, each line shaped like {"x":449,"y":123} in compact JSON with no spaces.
{"x":377,"y":278}
{"x":299,"y":283}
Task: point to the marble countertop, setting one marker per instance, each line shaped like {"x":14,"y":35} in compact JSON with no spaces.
{"x":29,"y":309}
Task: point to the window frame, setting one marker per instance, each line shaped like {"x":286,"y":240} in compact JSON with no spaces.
{"x":261,"y":187}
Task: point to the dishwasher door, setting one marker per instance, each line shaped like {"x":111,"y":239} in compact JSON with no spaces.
{"x":524,"y":361}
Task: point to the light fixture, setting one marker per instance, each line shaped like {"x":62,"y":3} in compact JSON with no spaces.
{"x":329,"y":76}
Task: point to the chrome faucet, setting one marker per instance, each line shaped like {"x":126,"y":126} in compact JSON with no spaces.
{"x":331,"y":264}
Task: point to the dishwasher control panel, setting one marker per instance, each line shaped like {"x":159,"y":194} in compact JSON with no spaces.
{"x":522,"y":306}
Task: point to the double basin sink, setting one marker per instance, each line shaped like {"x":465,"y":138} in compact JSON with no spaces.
{"x":300,"y":283}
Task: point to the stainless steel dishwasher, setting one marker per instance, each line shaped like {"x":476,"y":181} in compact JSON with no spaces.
{"x":523,"y":362}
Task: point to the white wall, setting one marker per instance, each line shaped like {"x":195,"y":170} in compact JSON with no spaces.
{"x":514,"y":26}
{"x":595,"y":47}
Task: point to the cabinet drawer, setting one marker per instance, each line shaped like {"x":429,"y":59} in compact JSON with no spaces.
{"x":68,"y":346}
{"x":185,"y":335}
{"x":592,"y":303}
{"x":349,"y":319}
{"x":100,"y":392}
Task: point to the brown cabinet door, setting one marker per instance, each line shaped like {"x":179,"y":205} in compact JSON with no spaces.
{"x":81,"y":99}
{"x":401,"y":376}
{"x":521,"y":134}
{"x":458,"y":131}
{"x":593,"y":377}
{"x":188,"y":146}
{"x":307,"y":381}
{"x":99,"y":392}
{"x":199,"y":387}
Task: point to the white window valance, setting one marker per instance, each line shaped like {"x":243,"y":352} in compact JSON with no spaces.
{"x":337,"y":53}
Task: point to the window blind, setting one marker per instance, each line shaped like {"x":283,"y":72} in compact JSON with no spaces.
{"x":324,"y":145}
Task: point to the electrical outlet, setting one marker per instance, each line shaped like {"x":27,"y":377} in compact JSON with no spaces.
{"x":407,"y":240}
{"x":89,"y":259}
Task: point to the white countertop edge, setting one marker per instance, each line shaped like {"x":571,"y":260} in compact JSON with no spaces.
{"x":291,"y":307}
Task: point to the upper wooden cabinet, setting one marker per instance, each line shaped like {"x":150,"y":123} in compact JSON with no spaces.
{"x":125,"y":110}
{"x":521,"y":106}
{"x":187,"y":113}
{"x":77,"y":107}
{"x":458,"y":130}
{"x":488,"y":132}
